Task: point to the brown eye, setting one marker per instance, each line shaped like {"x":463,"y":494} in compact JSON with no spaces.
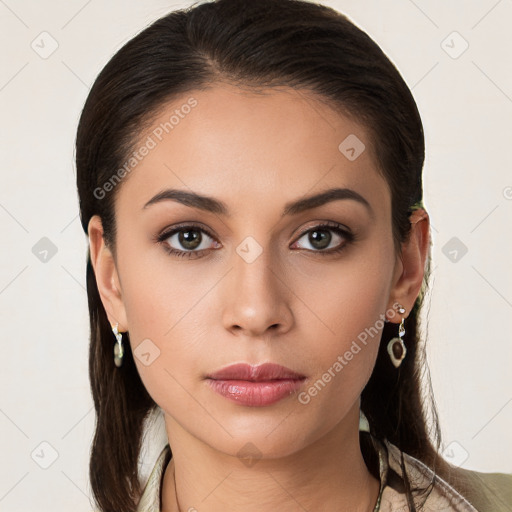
{"x":321,"y":237}
{"x":190,"y":239}
{"x":187,"y":241}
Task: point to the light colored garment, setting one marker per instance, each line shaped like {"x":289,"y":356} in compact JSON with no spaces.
{"x":492,"y":492}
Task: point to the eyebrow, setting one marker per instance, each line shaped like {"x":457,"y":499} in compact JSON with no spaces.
{"x":216,"y":206}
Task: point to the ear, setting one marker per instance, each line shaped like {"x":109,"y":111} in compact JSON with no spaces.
{"x":410,"y":264}
{"x":107,"y":279}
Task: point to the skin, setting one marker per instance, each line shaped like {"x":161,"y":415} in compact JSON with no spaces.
{"x":292,"y":305}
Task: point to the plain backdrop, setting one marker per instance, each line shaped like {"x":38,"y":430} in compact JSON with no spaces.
{"x":455,"y":56}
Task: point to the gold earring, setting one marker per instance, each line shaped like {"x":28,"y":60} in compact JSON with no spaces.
{"x":396,"y":346}
{"x":118,"y":347}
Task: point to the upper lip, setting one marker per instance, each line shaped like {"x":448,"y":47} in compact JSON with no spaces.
{"x":262,"y":372}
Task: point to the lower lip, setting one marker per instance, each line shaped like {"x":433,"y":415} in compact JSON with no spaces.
{"x":255,"y":394}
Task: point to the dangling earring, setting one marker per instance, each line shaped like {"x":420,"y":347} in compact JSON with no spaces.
{"x":118,"y":347}
{"x":396,"y":346}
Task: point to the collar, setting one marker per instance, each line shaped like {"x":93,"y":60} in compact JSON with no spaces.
{"x":439,"y":495}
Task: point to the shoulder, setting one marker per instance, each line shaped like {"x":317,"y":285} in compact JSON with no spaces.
{"x":485,"y":492}
{"x":489,"y":491}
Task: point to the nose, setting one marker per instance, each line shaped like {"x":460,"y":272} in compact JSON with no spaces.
{"x":257,"y":297}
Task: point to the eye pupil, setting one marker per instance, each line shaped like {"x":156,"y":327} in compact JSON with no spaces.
{"x":324,"y":238}
{"x":190,"y":241}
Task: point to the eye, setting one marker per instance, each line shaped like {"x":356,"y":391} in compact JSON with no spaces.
{"x":187,"y":241}
{"x":320,"y":238}
{"x":191,"y":241}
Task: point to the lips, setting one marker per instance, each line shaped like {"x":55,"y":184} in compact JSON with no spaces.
{"x":259,"y":373}
{"x":255,"y":386}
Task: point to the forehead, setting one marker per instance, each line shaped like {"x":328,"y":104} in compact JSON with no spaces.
{"x":251,"y":148}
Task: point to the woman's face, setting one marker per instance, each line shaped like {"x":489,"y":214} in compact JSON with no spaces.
{"x":254,"y":283}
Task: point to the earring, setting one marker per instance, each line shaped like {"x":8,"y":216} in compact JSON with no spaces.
{"x":118,"y":347}
{"x":396,"y":346}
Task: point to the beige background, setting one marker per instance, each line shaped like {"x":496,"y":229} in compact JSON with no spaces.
{"x":465,"y":99}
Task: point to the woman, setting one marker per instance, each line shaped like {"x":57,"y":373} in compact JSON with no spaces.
{"x":250,"y":178}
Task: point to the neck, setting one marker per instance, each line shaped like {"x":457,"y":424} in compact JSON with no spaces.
{"x":329,"y":475}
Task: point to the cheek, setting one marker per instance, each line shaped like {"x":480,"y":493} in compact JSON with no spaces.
{"x":348,"y":302}
{"x":155,"y":293}
{"x":169,"y":320}
{"x":347,"y":295}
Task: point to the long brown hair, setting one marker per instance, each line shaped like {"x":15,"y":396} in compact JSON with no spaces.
{"x":262,"y":43}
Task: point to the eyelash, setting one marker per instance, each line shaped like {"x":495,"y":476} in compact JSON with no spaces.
{"x":327,"y":226}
